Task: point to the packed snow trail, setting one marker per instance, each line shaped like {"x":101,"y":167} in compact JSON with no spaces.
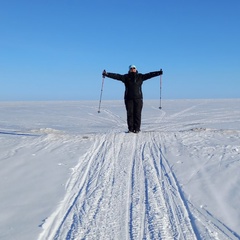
{"x":124,"y":188}
{"x":121,"y":190}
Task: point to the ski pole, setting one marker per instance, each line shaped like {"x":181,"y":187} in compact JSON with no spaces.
{"x":100,"y":101}
{"x":160,"y":104}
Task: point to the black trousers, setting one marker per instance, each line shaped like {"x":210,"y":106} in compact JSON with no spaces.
{"x":134,"y":113}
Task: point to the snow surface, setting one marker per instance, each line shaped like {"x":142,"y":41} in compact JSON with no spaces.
{"x":68,"y":172}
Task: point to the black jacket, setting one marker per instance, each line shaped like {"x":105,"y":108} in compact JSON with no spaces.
{"x":133,"y":82}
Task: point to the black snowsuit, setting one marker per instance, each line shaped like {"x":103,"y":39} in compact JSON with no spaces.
{"x":133,"y":95}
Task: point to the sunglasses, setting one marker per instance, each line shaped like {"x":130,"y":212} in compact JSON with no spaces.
{"x":133,"y":68}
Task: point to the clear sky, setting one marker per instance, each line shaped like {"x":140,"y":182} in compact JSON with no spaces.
{"x":57,"y":50}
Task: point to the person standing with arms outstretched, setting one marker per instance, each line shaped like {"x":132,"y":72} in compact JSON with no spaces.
{"x":133,"y":96}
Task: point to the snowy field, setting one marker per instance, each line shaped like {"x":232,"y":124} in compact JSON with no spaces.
{"x":68,"y":172}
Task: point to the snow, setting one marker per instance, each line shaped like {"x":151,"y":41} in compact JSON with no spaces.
{"x":68,"y":172}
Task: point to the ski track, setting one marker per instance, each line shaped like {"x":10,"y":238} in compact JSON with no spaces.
{"x":124,"y":188}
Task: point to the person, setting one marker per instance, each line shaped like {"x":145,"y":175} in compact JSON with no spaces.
{"x":133,"y":96}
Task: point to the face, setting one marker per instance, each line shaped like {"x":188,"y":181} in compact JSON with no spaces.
{"x":133,"y":69}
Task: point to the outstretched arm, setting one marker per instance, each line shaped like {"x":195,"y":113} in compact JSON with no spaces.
{"x":115,"y":76}
{"x":152,"y":74}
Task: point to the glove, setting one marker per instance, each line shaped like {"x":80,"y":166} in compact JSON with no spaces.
{"x":104,"y":73}
{"x":161,"y":72}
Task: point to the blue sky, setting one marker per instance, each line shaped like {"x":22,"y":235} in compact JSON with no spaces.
{"x":56,"y":50}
